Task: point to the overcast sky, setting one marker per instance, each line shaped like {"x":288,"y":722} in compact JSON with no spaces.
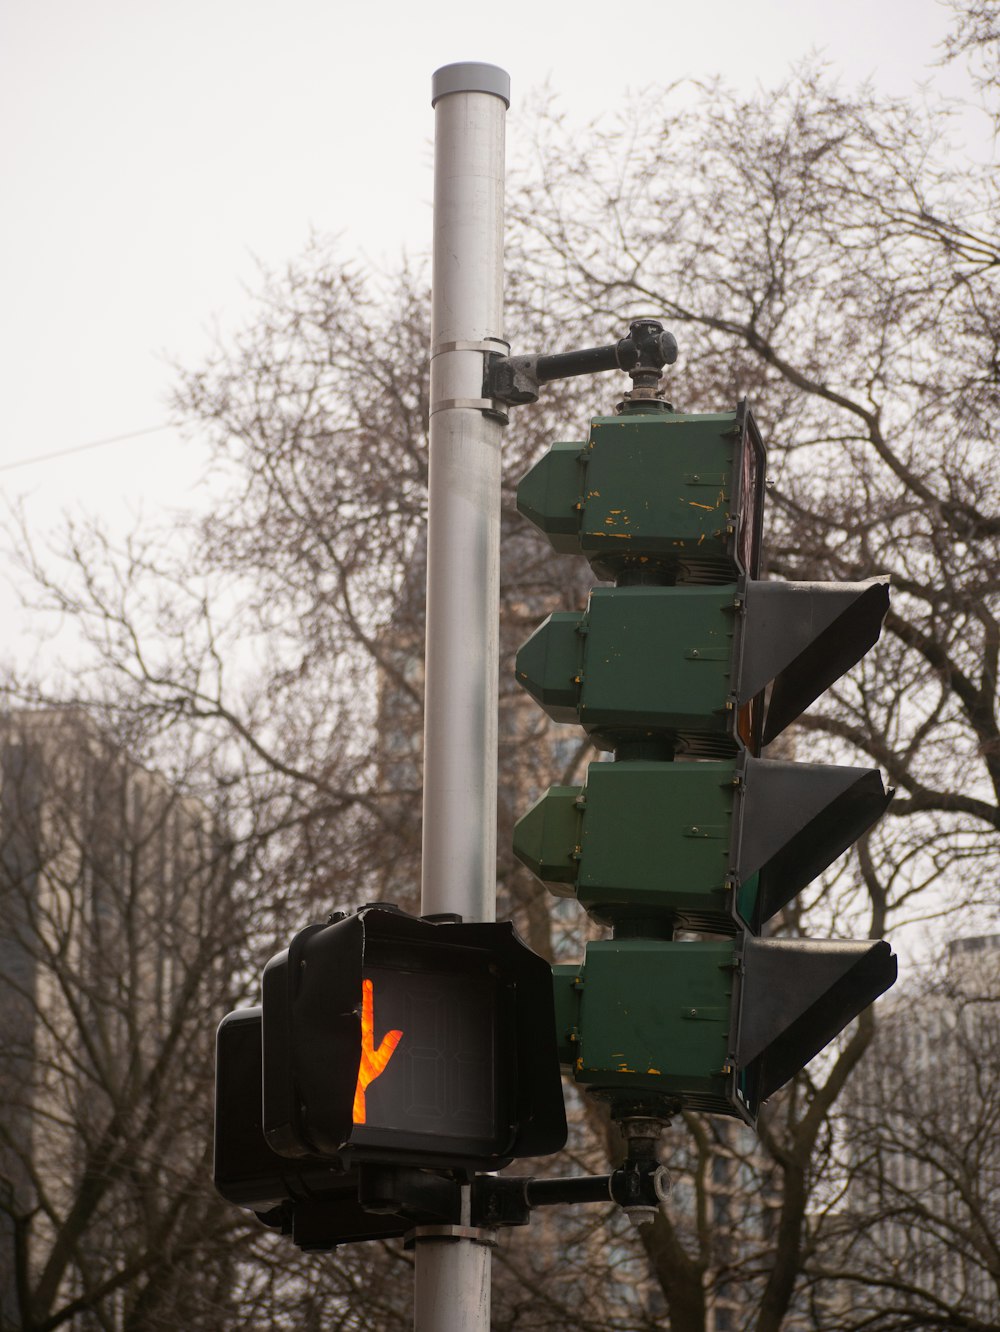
{"x":151,"y":151}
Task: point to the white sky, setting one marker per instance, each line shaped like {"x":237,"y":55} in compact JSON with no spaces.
{"x":151,"y":150}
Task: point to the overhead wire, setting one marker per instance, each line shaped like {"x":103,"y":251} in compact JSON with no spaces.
{"x":81,"y":448}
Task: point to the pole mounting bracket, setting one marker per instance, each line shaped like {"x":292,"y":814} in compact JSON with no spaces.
{"x":642,"y":354}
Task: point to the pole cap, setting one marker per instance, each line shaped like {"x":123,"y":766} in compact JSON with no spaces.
{"x":470,"y":76}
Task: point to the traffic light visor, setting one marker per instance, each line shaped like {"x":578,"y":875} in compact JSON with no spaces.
{"x":797,"y":995}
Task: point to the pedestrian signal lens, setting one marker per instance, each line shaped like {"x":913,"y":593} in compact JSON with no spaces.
{"x":429,"y":1055}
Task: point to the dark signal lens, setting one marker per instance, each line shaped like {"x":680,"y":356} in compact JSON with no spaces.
{"x":440,"y":1081}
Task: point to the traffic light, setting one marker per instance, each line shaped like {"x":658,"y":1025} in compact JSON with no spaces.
{"x":390,"y":1038}
{"x":685,"y":669}
{"x":313,"y":1199}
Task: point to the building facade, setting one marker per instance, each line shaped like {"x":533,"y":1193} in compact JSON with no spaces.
{"x":922,"y":1228}
{"x":112,"y":895}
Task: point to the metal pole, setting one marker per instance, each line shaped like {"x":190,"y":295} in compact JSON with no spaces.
{"x":463,"y":527}
{"x":452,"y":1275}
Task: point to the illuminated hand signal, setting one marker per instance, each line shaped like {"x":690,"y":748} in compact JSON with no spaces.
{"x":373,"y":1061}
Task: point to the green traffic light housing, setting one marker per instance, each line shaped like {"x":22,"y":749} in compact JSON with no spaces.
{"x":711,"y":846}
{"x":665,"y":496}
{"x":685,"y":662}
{"x":710,"y":1025}
{"x":685,"y":670}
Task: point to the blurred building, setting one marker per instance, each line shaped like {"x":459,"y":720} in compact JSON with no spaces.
{"x":923,"y":1130}
{"x":109,"y":884}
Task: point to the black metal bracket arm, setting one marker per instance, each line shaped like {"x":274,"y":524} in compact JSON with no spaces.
{"x":389,"y":1201}
{"x":642,"y":355}
{"x":639,"y":1187}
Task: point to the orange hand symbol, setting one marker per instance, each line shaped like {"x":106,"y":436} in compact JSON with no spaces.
{"x":373,"y":1061}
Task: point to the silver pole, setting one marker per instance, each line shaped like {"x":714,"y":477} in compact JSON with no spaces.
{"x":452,"y":1270}
{"x":463,"y":527}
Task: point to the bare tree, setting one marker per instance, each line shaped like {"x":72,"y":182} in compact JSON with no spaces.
{"x":975,"y":38}
{"x":914,"y":1237}
{"x":116,"y":936}
{"x":817,"y":250}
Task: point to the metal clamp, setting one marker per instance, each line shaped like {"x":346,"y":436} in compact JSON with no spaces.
{"x":480,"y":404}
{"x":447,"y":1234}
{"x":489,"y":345}
{"x":493,"y":350}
